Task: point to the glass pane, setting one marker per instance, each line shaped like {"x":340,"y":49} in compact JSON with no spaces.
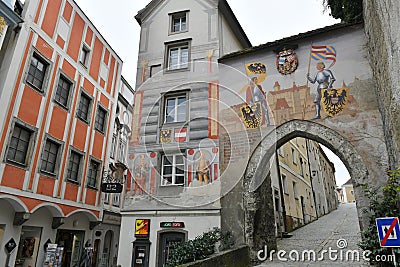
{"x":178,"y":160}
{"x":180,"y":170}
{"x":167,"y":170}
{"x":184,"y":57}
{"x":167,"y":161}
{"x":179,"y":179}
{"x":183,"y":24}
{"x":173,"y":58}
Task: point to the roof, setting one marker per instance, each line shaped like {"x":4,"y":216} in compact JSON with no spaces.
{"x":288,"y":40}
{"x":223,"y":7}
{"x":281,"y":103}
{"x":349,"y":182}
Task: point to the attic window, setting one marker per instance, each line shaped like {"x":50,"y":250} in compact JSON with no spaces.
{"x":179,"y":22}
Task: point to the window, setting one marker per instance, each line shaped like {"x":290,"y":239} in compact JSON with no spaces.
{"x":19,"y":145}
{"x":121,"y":150}
{"x":49,"y":157}
{"x":280,"y":151}
{"x":179,"y":22}
{"x":62,"y":92}
{"x":295,"y":190}
{"x":113,"y":144}
{"x":84,"y":57}
{"x":284,"y":184}
{"x":100,"y":121}
{"x":294,"y":156}
{"x":93,"y":174}
{"x":301,"y":167}
{"x":173,"y":170}
{"x":37,"y":72}
{"x":84,"y":107}
{"x":178,"y":56}
{"x":74,"y":166}
{"x":175,"y":109}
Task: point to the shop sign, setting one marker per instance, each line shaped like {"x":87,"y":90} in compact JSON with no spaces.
{"x":111,"y":187}
{"x":172,"y":224}
{"x":11,"y":245}
{"x":111,"y":219}
{"x":142,"y":228}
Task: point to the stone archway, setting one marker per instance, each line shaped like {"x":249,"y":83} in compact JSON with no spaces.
{"x":256,"y":215}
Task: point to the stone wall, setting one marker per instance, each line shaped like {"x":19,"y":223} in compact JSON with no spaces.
{"x":232,"y":258}
{"x":382,"y":22}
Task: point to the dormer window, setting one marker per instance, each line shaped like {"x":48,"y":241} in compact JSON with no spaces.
{"x":179,"y":22}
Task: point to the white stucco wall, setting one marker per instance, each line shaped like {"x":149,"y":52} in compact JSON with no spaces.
{"x":195,"y":224}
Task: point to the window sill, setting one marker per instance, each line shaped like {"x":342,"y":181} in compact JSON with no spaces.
{"x":177,"y":32}
{"x":17,"y":164}
{"x":83,"y":120}
{"x":83,"y":64}
{"x":66,"y":108}
{"x":73,"y":182}
{"x":41,"y":91}
{"x":100,"y":132}
{"x":92,"y":188}
{"x":49,"y":174}
{"x":177,"y":70}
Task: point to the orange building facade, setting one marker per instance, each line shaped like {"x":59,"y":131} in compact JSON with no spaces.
{"x":59,"y":83}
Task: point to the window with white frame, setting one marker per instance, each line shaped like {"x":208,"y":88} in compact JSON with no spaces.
{"x":121,"y":150}
{"x":178,"y":22}
{"x":173,"y":170}
{"x":177,"y":56}
{"x":175,"y":108}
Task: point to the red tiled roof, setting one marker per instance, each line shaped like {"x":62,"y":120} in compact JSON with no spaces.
{"x":281,"y":103}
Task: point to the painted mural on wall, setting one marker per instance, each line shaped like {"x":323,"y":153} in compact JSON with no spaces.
{"x":202,"y":166}
{"x":143,"y":174}
{"x":321,"y":77}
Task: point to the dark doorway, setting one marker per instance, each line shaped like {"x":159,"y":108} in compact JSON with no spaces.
{"x":165,"y":242}
{"x":73,"y":242}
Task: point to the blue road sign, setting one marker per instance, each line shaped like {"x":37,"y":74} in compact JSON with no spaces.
{"x":388,"y":231}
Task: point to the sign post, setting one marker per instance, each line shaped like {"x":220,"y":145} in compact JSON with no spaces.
{"x":389,"y":233}
{"x":10,"y":246}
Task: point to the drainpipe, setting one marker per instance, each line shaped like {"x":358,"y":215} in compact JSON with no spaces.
{"x":311,"y":179}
